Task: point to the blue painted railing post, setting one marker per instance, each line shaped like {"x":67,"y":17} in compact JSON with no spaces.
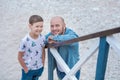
{"x":102,"y":59}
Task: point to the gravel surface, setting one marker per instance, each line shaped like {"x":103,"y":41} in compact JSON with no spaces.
{"x":83,"y":16}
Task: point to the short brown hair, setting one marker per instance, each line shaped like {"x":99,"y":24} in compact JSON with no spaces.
{"x":35,"y":18}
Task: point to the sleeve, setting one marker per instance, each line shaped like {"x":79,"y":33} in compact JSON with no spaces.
{"x":65,"y":37}
{"x":44,"y":41}
{"x":22,"y":46}
{"x":46,"y":38}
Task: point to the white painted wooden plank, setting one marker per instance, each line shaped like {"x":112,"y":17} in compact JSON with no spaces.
{"x":114,"y":44}
{"x":81,"y":62}
{"x":61,"y":62}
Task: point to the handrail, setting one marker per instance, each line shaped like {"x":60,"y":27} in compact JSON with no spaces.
{"x":89,"y":36}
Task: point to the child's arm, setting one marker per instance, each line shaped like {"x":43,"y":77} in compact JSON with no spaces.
{"x":43,"y":56}
{"x":21,"y":61}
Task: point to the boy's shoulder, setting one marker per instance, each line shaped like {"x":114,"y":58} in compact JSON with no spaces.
{"x":25,"y":38}
{"x":42,"y":36}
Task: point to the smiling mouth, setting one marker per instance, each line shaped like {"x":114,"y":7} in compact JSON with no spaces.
{"x":55,"y":32}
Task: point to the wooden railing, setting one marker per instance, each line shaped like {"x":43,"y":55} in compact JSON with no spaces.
{"x":86,"y":37}
{"x":106,"y":40}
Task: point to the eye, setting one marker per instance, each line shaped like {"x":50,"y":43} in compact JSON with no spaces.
{"x":41,"y":26}
{"x":52,"y":26}
{"x":57,"y":25}
{"x":37,"y":26}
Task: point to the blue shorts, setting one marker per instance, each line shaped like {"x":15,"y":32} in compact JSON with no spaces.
{"x":32,"y":74}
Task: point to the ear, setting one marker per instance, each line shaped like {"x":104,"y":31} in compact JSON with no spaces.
{"x":64,"y":26}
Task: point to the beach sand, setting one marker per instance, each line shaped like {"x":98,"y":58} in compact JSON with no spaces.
{"x":83,"y":16}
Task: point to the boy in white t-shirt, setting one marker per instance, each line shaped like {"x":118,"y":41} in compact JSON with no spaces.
{"x":31,"y":55}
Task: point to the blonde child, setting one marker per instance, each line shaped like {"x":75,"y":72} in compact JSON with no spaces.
{"x":31,"y":54}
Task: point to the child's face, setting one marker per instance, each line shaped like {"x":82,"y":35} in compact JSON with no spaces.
{"x":36,"y":28}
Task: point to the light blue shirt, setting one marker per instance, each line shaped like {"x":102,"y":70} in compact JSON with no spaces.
{"x":69,"y":53}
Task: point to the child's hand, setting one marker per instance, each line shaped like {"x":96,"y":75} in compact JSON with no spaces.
{"x":26,"y":70}
{"x":43,"y":63}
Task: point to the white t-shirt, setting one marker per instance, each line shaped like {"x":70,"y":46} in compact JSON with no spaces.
{"x":32,"y":49}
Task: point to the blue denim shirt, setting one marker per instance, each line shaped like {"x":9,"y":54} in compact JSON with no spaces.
{"x":69,"y":53}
